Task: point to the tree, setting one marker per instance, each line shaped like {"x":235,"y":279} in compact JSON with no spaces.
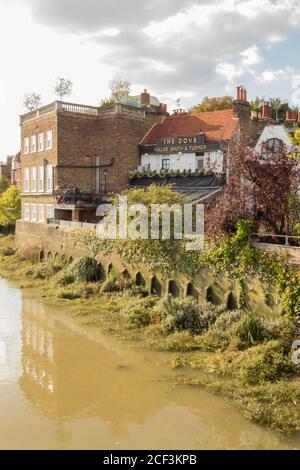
{"x":119,"y":88}
{"x":32,"y":101}
{"x":213,"y":104}
{"x":279,"y":109}
{"x":63,"y":87}
{"x":10,"y":206}
{"x":261,"y":189}
{"x":4,"y":185}
{"x":256,"y":105}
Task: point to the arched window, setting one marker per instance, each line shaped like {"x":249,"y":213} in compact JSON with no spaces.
{"x":272,"y":146}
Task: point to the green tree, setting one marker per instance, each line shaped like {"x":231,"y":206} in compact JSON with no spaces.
{"x":10,"y":206}
{"x":213,"y":104}
{"x":4,"y":184}
{"x":256,"y":105}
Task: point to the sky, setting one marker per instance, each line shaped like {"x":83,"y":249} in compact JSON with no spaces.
{"x":184,"y":49}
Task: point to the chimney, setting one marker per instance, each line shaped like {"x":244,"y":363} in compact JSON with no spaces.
{"x":238,"y":93}
{"x":145,"y":99}
{"x":290,"y":115}
{"x":299,"y":117}
{"x":266,"y":110}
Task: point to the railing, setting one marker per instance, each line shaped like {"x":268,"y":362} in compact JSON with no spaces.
{"x":78,"y":108}
{"x":284,"y":241}
{"x":76,"y":197}
{"x":69,"y":224}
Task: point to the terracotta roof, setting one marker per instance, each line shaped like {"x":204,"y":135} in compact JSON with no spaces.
{"x":217,"y":126}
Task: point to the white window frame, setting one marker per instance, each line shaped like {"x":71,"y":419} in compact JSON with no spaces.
{"x":33,"y":144}
{"x":41,"y":179}
{"x":26,"y":180}
{"x":33,"y":213}
{"x":49,"y":140}
{"x":49,"y":179}
{"x":41,"y":142}
{"x":41,"y":213}
{"x":26,"y":209}
{"x":33,"y":179}
{"x":26,"y":145}
{"x":50,"y":211}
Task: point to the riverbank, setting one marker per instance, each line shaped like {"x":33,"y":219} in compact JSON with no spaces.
{"x":234,"y":354}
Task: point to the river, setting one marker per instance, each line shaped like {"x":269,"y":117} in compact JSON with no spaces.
{"x":63,"y":386}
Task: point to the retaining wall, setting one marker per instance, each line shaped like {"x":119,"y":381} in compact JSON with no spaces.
{"x":54,"y":241}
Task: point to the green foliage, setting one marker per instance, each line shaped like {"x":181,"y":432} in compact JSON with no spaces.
{"x":115,"y":283}
{"x":85,"y":269}
{"x":10,"y":206}
{"x":185,"y":314}
{"x":163,"y":255}
{"x":8,"y":251}
{"x":4,"y":185}
{"x":213,"y":104}
{"x":251,"y":329}
{"x":238,"y":259}
{"x":43,"y":270}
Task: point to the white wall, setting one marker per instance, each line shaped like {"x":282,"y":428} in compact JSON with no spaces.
{"x":273,"y":132}
{"x":185,"y":161}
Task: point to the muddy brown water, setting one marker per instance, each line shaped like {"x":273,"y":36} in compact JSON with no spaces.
{"x":63,"y":386}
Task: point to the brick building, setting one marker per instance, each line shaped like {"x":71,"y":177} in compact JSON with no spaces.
{"x":16,"y":170}
{"x":5,"y":167}
{"x":193,"y":144}
{"x":73,"y":155}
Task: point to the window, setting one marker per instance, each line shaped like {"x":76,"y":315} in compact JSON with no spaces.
{"x":26,"y":180}
{"x":33,"y":180}
{"x":272,"y":146}
{"x":49,"y":178}
{"x":26,"y":212}
{"x":33,"y":143}
{"x":165,"y":164}
{"x":41,"y":213}
{"x":50,"y":211}
{"x":48,"y":140}
{"x":33,"y":212}
{"x":41,"y":180}
{"x":41,"y":142}
{"x":26,"y":145}
{"x":200,"y":163}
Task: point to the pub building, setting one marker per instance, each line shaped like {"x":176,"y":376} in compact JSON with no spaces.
{"x":194,"y":144}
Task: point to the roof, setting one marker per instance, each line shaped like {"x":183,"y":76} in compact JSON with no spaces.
{"x":216,"y":125}
{"x":196,"y":188}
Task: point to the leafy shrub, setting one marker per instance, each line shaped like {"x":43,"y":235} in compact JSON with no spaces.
{"x":139,"y":316}
{"x":85,"y":269}
{"x":8,"y":251}
{"x":71,"y":294}
{"x":115,"y":283}
{"x":43,"y":270}
{"x":251,"y":329}
{"x":223,"y":332}
{"x":261,"y":362}
{"x":65,"y":279}
{"x":179,"y":314}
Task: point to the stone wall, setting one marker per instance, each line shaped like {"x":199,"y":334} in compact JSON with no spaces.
{"x":53,"y":241}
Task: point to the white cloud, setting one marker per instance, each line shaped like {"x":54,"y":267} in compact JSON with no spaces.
{"x":251,"y":56}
